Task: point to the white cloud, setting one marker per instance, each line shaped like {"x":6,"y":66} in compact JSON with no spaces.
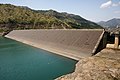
{"x":106,"y":5}
{"x":117,"y":12}
{"x":114,"y":5}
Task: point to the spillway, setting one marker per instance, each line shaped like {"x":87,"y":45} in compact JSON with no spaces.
{"x":72,"y":43}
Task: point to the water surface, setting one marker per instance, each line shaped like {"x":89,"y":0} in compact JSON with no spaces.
{"x":19,"y":61}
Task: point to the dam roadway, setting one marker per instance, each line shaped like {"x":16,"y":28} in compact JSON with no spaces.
{"x":72,"y":43}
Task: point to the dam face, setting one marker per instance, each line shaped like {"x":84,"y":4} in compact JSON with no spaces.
{"x":72,"y":43}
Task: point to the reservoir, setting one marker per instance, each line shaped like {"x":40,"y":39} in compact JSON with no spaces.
{"x":19,"y":61}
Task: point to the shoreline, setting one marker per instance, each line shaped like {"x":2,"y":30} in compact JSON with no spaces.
{"x":105,"y":64}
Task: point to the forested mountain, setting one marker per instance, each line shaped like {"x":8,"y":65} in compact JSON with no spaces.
{"x":20,"y":17}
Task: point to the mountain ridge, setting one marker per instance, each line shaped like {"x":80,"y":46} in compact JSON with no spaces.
{"x":23,"y":17}
{"x":112,"y":23}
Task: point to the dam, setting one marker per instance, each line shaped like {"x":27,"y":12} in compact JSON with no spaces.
{"x":72,"y":43}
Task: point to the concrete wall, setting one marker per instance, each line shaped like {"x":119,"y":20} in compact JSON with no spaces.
{"x":72,"y":43}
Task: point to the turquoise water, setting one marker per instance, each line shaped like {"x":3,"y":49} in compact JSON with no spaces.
{"x":19,"y":61}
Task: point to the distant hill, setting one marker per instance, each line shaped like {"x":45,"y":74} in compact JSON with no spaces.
{"x":22,"y":17}
{"x":113,"y":23}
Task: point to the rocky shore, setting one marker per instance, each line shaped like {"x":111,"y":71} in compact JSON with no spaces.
{"x":104,"y":66}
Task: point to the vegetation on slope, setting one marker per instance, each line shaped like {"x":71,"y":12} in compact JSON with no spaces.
{"x":18,"y":17}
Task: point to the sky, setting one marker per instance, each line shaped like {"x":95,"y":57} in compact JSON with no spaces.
{"x":93,"y":10}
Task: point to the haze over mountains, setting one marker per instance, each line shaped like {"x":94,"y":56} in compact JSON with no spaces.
{"x":113,"y":23}
{"x":20,"y":17}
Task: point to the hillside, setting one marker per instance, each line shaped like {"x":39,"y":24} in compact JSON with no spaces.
{"x":113,"y":23}
{"x":20,"y":17}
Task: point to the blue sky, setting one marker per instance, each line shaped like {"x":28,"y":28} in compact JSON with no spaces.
{"x":94,"y":10}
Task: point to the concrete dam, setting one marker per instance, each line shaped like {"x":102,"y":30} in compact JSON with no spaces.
{"x":72,"y":43}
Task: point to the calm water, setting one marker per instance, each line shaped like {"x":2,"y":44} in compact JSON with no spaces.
{"x":19,"y":61}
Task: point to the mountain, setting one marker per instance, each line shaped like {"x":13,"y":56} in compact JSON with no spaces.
{"x":22,"y":17}
{"x":113,"y":23}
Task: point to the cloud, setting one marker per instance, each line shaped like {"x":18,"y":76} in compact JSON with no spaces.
{"x":117,"y":12}
{"x":106,"y":5}
{"x":114,"y":5}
